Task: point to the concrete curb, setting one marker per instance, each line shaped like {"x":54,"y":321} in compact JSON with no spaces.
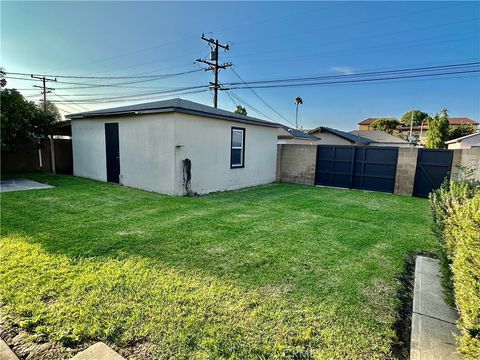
{"x":433,"y":321}
{"x":5,"y":352}
{"x":98,"y":351}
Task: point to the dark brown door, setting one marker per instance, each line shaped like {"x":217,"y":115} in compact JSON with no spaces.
{"x":112,"y":146}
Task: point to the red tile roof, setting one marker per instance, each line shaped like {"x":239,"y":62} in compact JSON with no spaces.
{"x":461,"y":121}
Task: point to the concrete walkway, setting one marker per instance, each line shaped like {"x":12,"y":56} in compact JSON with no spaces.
{"x":21,"y":184}
{"x":5,"y":352}
{"x":433,"y":321}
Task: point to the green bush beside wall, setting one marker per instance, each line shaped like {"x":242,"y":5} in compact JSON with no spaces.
{"x":456,"y":213}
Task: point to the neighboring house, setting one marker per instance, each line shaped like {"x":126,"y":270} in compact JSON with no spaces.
{"x":420,"y":132}
{"x":367,"y":123}
{"x":329,"y":136}
{"x":381,"y":138}
{"x":453,"y":122}
{"x":145,"y":145}
{"x":288,"y":135}
{"x":465,"y":142}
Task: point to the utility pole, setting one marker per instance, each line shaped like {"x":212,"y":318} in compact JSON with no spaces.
{"x":215,"y":66}
{"x":46,"y":90}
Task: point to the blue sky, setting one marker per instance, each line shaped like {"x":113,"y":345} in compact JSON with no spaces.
{"x":267,"y":40}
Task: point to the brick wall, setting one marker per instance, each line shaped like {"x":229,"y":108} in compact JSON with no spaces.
{"x":406,"y":166}
{"x":296,"y":163}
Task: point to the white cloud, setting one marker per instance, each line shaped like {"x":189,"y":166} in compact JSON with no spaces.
{"x":344,"y":70}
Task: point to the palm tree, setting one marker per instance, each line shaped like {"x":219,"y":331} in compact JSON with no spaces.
{"x":298,"y":101}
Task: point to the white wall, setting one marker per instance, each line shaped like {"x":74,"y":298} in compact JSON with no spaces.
{"x":331,"y":139}
{"x":146,"y":150}
{"x":152,"y":148}
{"x":206,"y":142}
{"x":467,"y":143}
{"x":88,"y":146}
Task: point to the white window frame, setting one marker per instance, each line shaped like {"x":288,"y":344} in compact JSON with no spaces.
{"x":242,"y":148}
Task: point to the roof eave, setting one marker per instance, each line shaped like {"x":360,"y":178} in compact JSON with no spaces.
{"x":174,"y":109}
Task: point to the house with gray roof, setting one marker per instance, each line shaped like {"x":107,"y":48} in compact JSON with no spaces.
{"x":174,"y":147}
{"x":331,"y":136}
{"x":288,"y":135}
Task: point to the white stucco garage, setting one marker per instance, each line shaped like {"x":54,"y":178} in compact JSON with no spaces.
{"x":145,"y":145}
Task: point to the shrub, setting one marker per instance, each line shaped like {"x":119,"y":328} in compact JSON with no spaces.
{"x":442,"y":200}
{"x":462,"y":234}
{"x":456,"y":215}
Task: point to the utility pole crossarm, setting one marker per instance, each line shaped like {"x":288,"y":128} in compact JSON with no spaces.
{"x":215,"y":66}
{"x":45,"y":88}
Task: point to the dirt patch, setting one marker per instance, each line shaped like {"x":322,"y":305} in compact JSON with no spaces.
{"x":216,"y":250}
{"x":126,"y":233}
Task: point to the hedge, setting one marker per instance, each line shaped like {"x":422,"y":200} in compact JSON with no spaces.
{"x":456,"y":213}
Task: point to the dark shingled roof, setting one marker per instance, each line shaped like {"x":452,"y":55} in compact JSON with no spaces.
{"x":369,"y":121}
{"x":173,"y":105}
{"x":299,"y":133}
{"x":345,"y":135}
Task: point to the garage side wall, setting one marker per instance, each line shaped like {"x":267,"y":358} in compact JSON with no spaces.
{"x":206,"y":142}
{"x":88,"y":145}
{"x":146,"y":150}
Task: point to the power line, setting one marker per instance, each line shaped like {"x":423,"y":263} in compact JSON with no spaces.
{"x":356,"y":80}
{"x":100,"y":101}
{"x":258,"y":96}
{"x":362,"y":74}
{"x":89,"y":85}
{"x":80,"y":106}
{"x":107,"y":77}
{"x":250,"y":106}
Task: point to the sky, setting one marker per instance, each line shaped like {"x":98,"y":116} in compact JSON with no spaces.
{"x":267,"y":40}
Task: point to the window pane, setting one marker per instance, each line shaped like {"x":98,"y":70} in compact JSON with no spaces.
{"x":237,"y":157}
{"x":237,"y":138}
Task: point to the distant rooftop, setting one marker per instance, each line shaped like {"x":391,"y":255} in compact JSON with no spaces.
{"x":299,"y":134}
{"x":345,"y":135}
{"x":462,"y":138}
{"x":369,"y":121}
{"x":379,"y":136}
{"x":173,"y":105}
{"x":451,"y":121}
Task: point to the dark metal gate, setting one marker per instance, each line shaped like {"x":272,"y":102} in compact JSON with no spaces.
{"x":358,"y":167}
{"x":433,"y":165}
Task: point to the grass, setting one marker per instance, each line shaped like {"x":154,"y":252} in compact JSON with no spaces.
{"x":276,"y":270}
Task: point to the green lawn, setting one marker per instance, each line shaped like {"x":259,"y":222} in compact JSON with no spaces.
{"x":252,"y":273}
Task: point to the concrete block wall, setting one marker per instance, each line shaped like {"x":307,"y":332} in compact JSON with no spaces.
{"x":406,"y":167}
{"x":296,"y":163}
{"x":471,"y":159}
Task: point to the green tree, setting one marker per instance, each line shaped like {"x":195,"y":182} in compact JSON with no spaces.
{"x":241,"y":110}
{"x":21,"y":121}
{"x":52,"y":110}
{"x":385,"y":124}
{"x":418,"y":117}
{"x":461,"y":130}
{"x":437,"y":132}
